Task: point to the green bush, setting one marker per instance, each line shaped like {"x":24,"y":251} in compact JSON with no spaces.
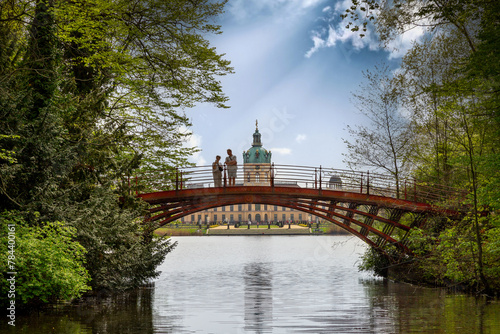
{"x":47,"y":262}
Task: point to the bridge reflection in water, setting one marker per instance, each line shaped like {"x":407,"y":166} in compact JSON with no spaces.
{"x":376,"y":208}
{"x":258,"y":297}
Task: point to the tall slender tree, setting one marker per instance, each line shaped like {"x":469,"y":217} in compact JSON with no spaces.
{"x":384,"y":143}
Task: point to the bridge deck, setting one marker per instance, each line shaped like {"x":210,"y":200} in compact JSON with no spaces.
{"x":263,"y":194}
{"x":301,"y":179}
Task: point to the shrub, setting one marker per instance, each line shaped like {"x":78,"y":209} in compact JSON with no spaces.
{"x":47,"y":261}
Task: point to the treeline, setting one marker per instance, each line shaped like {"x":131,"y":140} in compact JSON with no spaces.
{"x":92,"y":91}
{"x":437,"y":118}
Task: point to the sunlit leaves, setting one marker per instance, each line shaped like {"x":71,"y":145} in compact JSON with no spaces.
{"x":48,"y":262}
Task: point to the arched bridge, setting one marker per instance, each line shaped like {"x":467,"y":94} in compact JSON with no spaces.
{"x":374,"y":207}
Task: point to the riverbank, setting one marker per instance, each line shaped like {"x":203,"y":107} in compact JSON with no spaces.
{"x":261,"y":230}
{"x":253,"y":230}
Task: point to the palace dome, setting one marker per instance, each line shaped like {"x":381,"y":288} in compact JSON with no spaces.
{"x":257,"y":154}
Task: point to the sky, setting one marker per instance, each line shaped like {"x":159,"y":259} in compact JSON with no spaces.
{"x":295,"y":69}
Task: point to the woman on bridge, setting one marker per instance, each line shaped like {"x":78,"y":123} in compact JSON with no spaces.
{"x":217,"y":172}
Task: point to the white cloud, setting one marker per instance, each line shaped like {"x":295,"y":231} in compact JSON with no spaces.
{"x":318,"y":43}
{"x":337,"y":32}
{"x":281,"y":150}
{"x":300,"y":138}
{"x":341,"y":34}
{"x":405,"y":41}
{"x":194,"y":140}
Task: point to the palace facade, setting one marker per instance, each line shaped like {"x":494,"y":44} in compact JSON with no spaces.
{"x":256,"y":171}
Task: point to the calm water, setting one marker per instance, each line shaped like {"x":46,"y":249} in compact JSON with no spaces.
{"x":270,"y":284}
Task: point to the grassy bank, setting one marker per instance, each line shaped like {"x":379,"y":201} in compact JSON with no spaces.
{"x":193,"y":230}
{"x":179,"y":231}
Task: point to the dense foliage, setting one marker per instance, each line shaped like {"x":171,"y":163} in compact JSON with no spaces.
{"x":49,"y":264}
{"x":92,"y":91}
{"x":449,"y":85}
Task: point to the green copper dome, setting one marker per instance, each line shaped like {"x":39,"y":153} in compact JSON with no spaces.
{"x":257,"y":154}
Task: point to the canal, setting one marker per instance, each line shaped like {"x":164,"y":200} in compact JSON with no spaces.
{"x":270,"y":284}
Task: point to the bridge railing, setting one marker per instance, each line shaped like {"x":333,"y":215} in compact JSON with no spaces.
{"x":277,"y":175}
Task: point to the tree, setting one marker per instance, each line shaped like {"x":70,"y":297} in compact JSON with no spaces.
{"x":93,"y":91}
{"x":154,"y":61}
{"x":425,"y":68}
{"x":122,"y":251}
{"x":392,"y":18}
{"x":458,"y":108}
{"x":384,"y":143}
{"x":452,"y":80}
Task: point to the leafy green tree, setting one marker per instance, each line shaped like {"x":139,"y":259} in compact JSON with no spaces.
{"x":451,"y":85}
{"x":424,"y":69}
{"x":157,"y":62}
{"x":93,"y":91}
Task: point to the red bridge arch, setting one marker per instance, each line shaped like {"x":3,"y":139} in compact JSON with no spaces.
{"x":375,"y":208}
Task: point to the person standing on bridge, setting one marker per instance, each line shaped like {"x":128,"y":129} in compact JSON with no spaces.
{"x":217,"y":172}
{"x":232,"y":167}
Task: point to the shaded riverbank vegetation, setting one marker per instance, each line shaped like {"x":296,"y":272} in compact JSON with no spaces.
{"x":437,"y":118}
{"x":90,"y":92}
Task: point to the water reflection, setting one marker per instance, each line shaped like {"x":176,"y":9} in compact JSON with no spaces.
{"x":412,"y":309}
{"x":269,"y":285}
{"x":128,"y":313}
{"x":258,"y":298}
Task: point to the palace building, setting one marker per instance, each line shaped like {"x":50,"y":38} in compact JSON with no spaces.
{"x":256,"y":171}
